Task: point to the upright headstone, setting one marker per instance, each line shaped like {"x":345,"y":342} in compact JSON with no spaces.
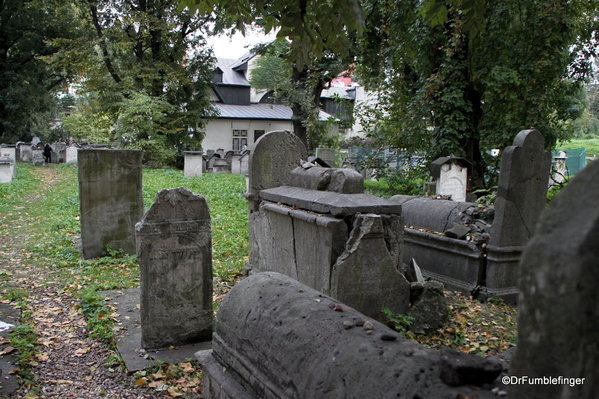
{"x":110,"y":196}
{"x":558,"y":312}
{"x":275,"y":155}
{"x":453,"y":181}
{"x":71,"y":154}
{"x":174,"y":247}
{"x":25,"y":152}
{"x":5,"y":170}
{"x":37,"y":156}
{"x":327,"y":155}
{"x":193,"y":163}
{"x":60,"y":150}
{"x":9,"y":152}
{"x":522,"y":189}
{"x":521,"y":197}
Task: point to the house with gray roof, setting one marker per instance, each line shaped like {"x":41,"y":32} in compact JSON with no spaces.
{"x":244,"y":112}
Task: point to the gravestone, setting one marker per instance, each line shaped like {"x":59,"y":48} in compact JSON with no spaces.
{"x":71,"y":154}
{"x":193,"y":163}
{"x":327,"y":155}
{"x":521,"y":197}
{"x":558,"y":312}
{"x":522,"y":189}
{"x":110,"y":200}
{"x":9,"y":152}
{"x":365,"y":276}
{"x":60,"y":150}
{"x":37,"y":156}
{"x":275,"y":155}
{"x":235,"y":161}
{"x":174,"y":247}
{"x":451,"y":174}
{"x":25,"y":152}
{"x":6,"y":170}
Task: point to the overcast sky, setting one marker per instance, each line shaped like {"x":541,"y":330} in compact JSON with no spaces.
{"x":225,"y":47}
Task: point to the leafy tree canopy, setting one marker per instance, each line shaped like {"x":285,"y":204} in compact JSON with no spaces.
{"x":472,"y":86}
{"x":27,"y":83}
{"x":147,"y":71}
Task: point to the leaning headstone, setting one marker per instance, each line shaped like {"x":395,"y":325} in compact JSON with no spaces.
{"x":110,"y":199}
{"x":174,"y":247}
{"x":521,"y":197}
{"x":193,"y":163}
{"x":365,"y":276}
{"x":275,"y":155}
{"x":558,"y":316}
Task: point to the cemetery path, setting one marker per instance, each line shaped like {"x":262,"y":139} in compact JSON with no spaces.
{"x":64,"y":361}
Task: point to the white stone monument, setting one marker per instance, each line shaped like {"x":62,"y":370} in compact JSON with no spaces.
{"x":10,"y":152}
{"x":453,"y":181}
{"x":193,"y":163}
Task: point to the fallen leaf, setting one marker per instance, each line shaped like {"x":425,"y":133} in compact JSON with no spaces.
{"x":7,"y":350}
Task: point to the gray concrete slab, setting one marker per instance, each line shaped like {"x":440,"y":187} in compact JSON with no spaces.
{"x":129,"y":341}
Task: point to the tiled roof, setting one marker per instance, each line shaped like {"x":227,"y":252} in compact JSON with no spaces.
{"x":259,"y":111}
{"x":231,"y":77}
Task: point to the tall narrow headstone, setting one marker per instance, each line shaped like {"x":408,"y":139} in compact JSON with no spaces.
{"x":174,"y":246}
{"x":71,"y":154}
{"x":110,"y":200}
{"x":521,"y":197}
{"x":558,"y":312}
{"x":522,"y":189}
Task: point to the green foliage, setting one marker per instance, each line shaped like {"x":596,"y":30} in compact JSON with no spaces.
{"x":99,"y":319}
{"x":24,"y":338}
{"x":399,"y":322}
{"x":27,"y":83}
{"x":146,"y":73}
{"x":313,"y":27}
{"x":453,"y":82}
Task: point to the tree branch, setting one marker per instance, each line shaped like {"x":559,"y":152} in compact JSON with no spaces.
{"x":105,"y":54}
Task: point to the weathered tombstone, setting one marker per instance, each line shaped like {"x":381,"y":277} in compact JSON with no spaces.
{"x":24,"y":152}
{"x":6,"y":170}
{"x":110,"y":199}
{"x":60,"y":150}
{"x":193,"y":163}
{"x":174,"y":247}
{"x":558,"y":312}
{"x":275,"y":155}
{"x":560,"y":169}
{"x":220,"y":165}
{"x":327,"y":155}
{"x":521,"y":197}
{"x":8,"y":151}
{"x":37,"y":156}
{"x":365,"y":276}
{"x":244,"y":163}
{"x":71,"y":154}
{"x":451,"y":174}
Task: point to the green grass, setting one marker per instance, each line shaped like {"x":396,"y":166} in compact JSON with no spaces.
{"x":592,"y":146}
{"x":53,"y":225}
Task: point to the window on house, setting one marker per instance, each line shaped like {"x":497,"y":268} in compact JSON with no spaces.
{"x":239,"y":139}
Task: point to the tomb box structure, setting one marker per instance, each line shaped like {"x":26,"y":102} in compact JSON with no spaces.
{"x":317,"y":225}
{"x":9,"y":152}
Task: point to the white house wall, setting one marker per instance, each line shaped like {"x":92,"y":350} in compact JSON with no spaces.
{"x":219,"y":132}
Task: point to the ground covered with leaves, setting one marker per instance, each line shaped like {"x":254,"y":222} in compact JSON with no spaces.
{"x":65,"y":343}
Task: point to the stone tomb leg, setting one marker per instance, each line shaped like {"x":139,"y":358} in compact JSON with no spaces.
{"x":174,"y":245}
